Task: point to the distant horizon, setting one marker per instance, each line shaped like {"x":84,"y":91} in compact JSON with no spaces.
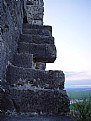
{"x":77,"y":87}
{"x":71,"y":28}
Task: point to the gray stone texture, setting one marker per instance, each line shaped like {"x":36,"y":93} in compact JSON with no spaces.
{"x":41,"y":52}
{"x":39,"y":65}
{"x":25,"y":48}
{"x":11,"y":19}
{"x":5,"y":100}
{"x":23,"y":60}
{"x":35,"y":11}
{"x":37,"y":100}
{"x":35,"y":77}
{"x":44,"y":32}
{"x":29,"y":26}
{"x":37,"y":39}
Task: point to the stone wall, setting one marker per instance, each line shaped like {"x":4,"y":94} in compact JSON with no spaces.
{"x":11,"y":19}
{"x":26,"y":45}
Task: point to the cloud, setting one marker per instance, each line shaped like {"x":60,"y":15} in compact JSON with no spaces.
{"x":83,"y":85}
{"x":74,"y":76}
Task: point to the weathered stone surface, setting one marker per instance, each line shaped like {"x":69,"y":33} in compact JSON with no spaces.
{"x":29,"y":87}
{"x":23,"y":60}
{"x":35,"y":10}
{"x":11,"y":19}
{"x":37,"y":32}
{"x":5,"y":100}
{"x":35,"y":77}
{"x":56,"y":78}
{"x":35,"y":13}
{"x":29,"y":26}
{"x":41,"y":52}
{"x":37,"y":39}
{"x":39,"y":65}
{"x":38,"y":100}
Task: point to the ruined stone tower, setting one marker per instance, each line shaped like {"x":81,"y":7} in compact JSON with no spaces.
{"x":32,"y":89}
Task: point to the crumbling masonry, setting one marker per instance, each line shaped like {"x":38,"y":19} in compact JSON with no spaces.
{"x":26,"y":45}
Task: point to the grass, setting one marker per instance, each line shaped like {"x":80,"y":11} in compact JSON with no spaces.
{"x":82,"y":110}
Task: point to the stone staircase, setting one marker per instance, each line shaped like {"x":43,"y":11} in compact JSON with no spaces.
{"x":31,"y":87}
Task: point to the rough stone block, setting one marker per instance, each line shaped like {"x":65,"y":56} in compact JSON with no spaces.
{"x":41,"y":101}
{"x":56,"y":79}
{"x":23,"y":60}
{"x":33,"y":9}
{"x":35,"y":13}
{"x":37,"y":32}
{"x":37,"y":39}
{"x":34,"y":77}
{"x":41,"y":52}
{"x":29,"y":26}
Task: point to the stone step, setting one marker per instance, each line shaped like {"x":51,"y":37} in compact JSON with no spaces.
{"x":23,"y":60}
{"x":35,"y":78}
{"x":37,"y":32}
{"x":29,"y":26}
{"x":40,"y":100}
{"x":41,"y":52}
{"x":38,"y":39}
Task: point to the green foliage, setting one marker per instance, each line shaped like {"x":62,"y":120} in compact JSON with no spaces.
{"x":82,"y":109}
{"x":79,"y":94}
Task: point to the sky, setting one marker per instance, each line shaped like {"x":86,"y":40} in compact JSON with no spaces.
{"x":71,"y":27}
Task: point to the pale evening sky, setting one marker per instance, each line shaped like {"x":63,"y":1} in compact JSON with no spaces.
{"x":71,"y":24}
